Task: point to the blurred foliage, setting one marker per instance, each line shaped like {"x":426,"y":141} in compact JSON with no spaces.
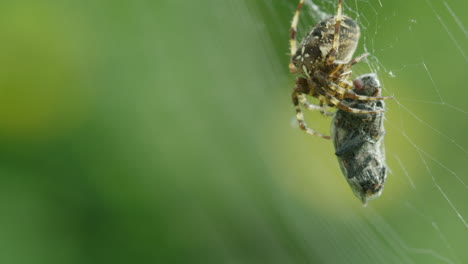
{"x":160,"y":132}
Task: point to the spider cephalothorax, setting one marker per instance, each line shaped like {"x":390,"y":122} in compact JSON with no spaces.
{"x":324,"y":59}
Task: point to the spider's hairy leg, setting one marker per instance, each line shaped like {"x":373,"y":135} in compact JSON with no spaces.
{"x":346,"y":108}
{"x":292,"y":36}
{"x":302,"y":90}
{"x":358,"y":59}
{"x":313,"y":107}
{"x":346,"y":84}
{"x":303,"y":99}
{"x":347,"y":92}
{"x":341,"y":67}
{"x":293,"y":29}
{"x":336,"y":35}
{"x":352,"y":95}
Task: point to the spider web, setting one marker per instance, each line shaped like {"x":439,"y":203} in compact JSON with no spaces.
{"x":158,"y":131}
{"x":254,"y":190}
{"x":418,"y":51}
{"x":431,"y":96}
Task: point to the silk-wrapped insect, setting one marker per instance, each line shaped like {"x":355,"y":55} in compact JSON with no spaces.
{"x":358,"y":140}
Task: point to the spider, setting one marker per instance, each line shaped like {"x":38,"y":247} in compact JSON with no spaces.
{"x":358,"y":141}
{"x":323,"y":58}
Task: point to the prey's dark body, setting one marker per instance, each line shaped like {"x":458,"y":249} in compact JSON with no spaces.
{"x":358,"y":141}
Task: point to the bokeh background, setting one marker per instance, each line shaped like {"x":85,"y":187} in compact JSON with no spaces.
{"x":162,"y":132}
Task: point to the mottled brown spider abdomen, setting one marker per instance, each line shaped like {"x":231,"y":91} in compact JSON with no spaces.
{"x":313,"y":51}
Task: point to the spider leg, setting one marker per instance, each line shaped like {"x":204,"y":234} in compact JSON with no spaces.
{"x":358,"y":59}
{"x":346,"y":108}
{"x":346,"y":85}
{"x":347,"y":92}
{"x":352,"y":95}
{"x":301,"y":90}
{"x":292,"y":36}
{"x":313,"y":107}
{"x":336,"y":35}
{"x":312,"y":92}
{"x":341,"y":67}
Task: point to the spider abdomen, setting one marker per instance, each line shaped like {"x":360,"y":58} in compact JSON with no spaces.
{"x":313,"y":51}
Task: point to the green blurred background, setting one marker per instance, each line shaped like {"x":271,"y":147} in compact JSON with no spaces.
{"x":162,"y":132}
